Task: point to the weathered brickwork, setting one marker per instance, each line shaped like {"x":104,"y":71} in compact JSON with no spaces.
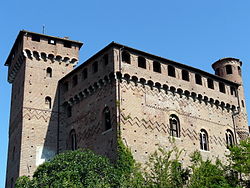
{"x":148,"y":101}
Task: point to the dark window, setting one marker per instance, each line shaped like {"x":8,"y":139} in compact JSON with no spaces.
{"x":156,"y":67}
{"x":95,"y":67}
{"x":48,"y":102}
{"x":49,"y":72}
{"x":242,"y":103}
{"x":171,"y":71}
{"x":66,"y":86}
{"x":174,"y":126}
{"x":198,"y":79}
{"x":210,"y":83}
{"x":229,"y":138}
{"x":229,"y":69}
{"x":73,"y":142}
{"x":126,"y":57}
{"x":106,"y":59}
{"x":222,"y":87}
{"x":35,"y":38}
{"x":69,"y":111}
{"x":233,"y":91}
{"x":142,"y":62}
{"x":107,"y":120}
{"x":185,"y":75}
{"x":217,"y":71}
{"x":75,"y":80}
{"x":11,"y":183}
{"x":67,"y":44}
{"x":85,"y":74}
{"x":52,"y":41}
{"x":203,"y":140}
{"x":239,"y":70}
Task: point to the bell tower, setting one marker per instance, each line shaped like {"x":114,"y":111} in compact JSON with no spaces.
{"x":230,"y":69}
{"x":35,"y":65}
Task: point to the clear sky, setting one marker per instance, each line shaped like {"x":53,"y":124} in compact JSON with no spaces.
{"x":192,"y":32}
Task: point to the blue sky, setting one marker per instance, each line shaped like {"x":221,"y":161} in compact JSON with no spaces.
{"x":192,"y":32}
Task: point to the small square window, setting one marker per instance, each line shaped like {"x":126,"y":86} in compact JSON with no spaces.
{"x":67,"y":44}
{"x":35,"y":38}
{"x":52,"y":41}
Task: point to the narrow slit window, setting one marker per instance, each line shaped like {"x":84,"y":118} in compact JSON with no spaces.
{"x":217,"y":72}
{"x":156,"y":67}
{"x":171,"y":71}
{"x":198,"y":79}
{"x":210,"y":83}
{"x":142,"y":62}
{"x":107,"y":119}
{"x":222,"y":87}
{"x":49,"y":72}
{"x":95,"y":67}
{"x":73,"y":141}
{"x":242,"y":103}
{"x":239,"y":70}
{"x":48,"y":102}
{"x":126,"y":57}
{"x":229,"y":138}
{"x":66,"y":86}
{"x":233,"y":91}
{"x":185,"y":75}
{"x":229,"y":69}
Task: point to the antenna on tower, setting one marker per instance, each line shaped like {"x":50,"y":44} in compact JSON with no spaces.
{"x":43,"y":29}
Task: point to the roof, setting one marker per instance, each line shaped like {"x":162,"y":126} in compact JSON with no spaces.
{"x":23,"y":32}
{"x":226,"y":59}
{"x":156,"y":58}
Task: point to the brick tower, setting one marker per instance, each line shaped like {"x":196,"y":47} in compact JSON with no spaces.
{"x":36,"y":63}
{"x":230,"y":69}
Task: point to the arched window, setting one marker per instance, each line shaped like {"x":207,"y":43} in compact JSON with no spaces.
{"x":156,"y":67}
{"x":72,"y":137}
{"x":229,"y":138}
{"x":49,"y":72}
{"x":126,"y":57}
{"x":229,"y":69}
{"x":107,"y":120}
{"x":171,"y":71}
{"x":142,"y":62}
{"x":185,"y":75}
{"x":48,"y":102}
{"x":204,"y":140}
{"x":174,"y":126}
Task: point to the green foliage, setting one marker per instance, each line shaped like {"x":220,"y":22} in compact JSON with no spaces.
{"x":163,"y":172}
{"x":207,"y":175}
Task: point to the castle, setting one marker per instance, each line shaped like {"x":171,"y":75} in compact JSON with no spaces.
{"x":119,"y":92}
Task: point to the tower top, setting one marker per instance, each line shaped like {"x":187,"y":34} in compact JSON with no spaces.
{"x":225,"y":60}
{"x":37,"y":37}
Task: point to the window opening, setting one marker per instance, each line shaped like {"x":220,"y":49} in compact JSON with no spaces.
{"x":229,"y":69}
{"x":156,"y":67}
{"x":52,"y":41}
{"x":107,"y":120}
{"x":126,"y":57}
{"x":73,"y":141}
{"x":75,"y":80}
{"x":85,"y":74}
{"x":171,"y":71}
{"x":67,"y":44}
{"x":239,"y":70}
{"x":174,"y":126}
{"x":210,"y":83}
{"x":185,"y":75}
{"x":141,"y":62}
{"x":35,"y":38}
{"x":48,"y":102}
{"x":229,"y":138}
{"x":198,"y":79}
{"x":49,"y":72}
{"x":95,"y":67}
{"x":106,"y":59}
{"x":222,"y":87}
{"x":203,"y":140}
